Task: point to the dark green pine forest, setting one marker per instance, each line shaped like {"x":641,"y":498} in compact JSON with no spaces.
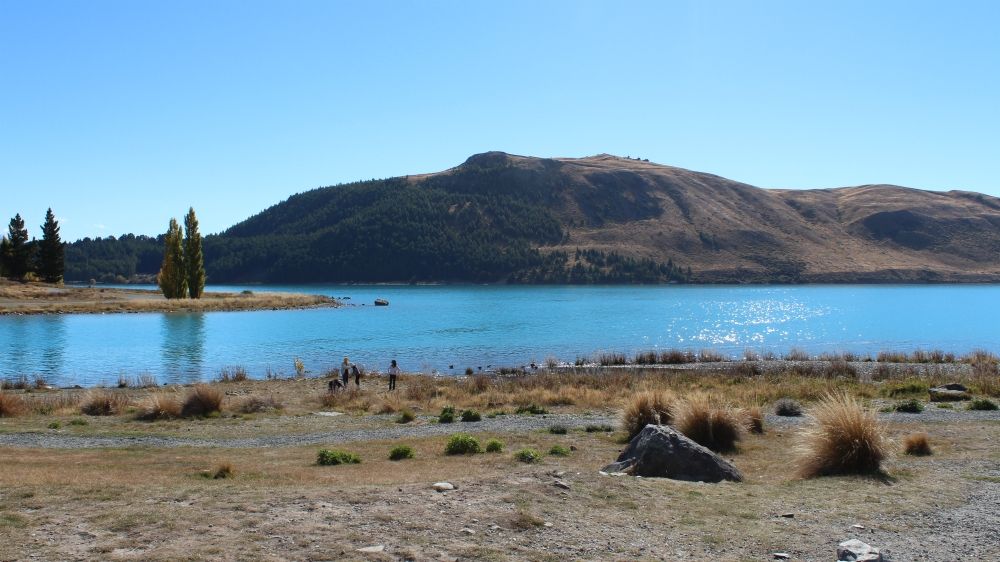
{"x":476,"y":225}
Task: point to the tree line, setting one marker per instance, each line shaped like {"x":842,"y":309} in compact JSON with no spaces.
{"x":25,"y":259}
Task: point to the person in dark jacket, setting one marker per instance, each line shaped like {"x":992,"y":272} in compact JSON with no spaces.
{"x":393,"y":373}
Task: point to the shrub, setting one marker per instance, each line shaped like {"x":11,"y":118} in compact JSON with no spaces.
{"x":54,"y":425}
{"x":845,"y":438}
{"x":462,"y":444}
{"x":796,"y":354}
{"x":159,"y":406}
{"x":401,"y":452}
{"x":201,"y":401}
{"x":714,"y":427}
{"x":648,"y":407}
{"x":608,"y":359}
{"x":255,"y":404}
{"x":911,"y":406}
{"x":447,"y":415}
{"x":710,"y":356}
{"x":11,"y":405}
{"x":78,"y":421}
{"x":528,"y":456}
{"x":603,"y":428}
{"x":104,"y":403}
{"x":917,"y":444}
{"x":531,"y":409}
{"x":677,"y":357}
{"x":330,"y":457}
{"x":787,"y":407}
{"x":471,"y":416}
{"x":494,"y":446}
{"x":235,"y":373}
{"x":559,"y":451}
{"x":755,"y":418}
{"x":558,"y":430}
{"x":982,"y":404}
{"x":224,"y":470}
{"x":406,"y":416}
{"x":469,"y":372}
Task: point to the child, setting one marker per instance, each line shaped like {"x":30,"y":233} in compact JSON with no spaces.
{"x":393,"y":372}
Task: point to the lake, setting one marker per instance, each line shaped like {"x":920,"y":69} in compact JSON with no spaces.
{"x":445,"y":329}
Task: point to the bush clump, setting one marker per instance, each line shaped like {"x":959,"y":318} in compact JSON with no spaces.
{"x":845,"y":438}
{"x":447,"y":415}
{"x":330,"y":457}
{"x":711,"y":426}
{"x":558,"y":430}
{"x":911,"y":406}
{"x":648,"y":407}
{"x":559,"y":451}
{"x":531,"y":409}
{"x":224,"y":470}
{"x":11,"y":405}
{"x":471,"y":416}
{"x":159,"y":406}
{"x":494,"y":446}
{"x":462,"y":444}
{"x":917,"y":444}
{"x":982,"y":404}
{"x":104,"y":403}
{"x":203,"y":400}
{"x":528,"y":456}
{"x":406,"y":416}
{"x":401,"y":452}
{"x":602,"y":428}
{"x":788,"y":408}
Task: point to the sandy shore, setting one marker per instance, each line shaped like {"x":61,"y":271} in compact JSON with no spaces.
{"x":39,"y":298}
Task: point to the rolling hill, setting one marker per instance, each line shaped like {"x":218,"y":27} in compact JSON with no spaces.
{"x":499,"y":217}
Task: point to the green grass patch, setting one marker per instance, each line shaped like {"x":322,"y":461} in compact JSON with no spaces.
{"x":462,"y":444}
{"x":401,"y":452}
{"x":528,"y":456}
{"x":494,"y":446}
{"x":330,"y":457}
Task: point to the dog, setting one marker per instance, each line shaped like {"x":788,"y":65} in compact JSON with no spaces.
{"x":335,"y":385}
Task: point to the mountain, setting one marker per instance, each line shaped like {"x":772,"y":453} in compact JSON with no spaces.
{"x":502,"y":217}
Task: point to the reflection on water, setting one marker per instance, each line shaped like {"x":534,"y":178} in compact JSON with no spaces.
{"x":183,"y":347}
{"x":34,"y":346}
{"x":53,"y":345}
{"x":16,"y":345}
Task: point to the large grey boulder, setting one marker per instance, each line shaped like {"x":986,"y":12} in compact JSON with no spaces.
{"x":856,"y":551}
{"x":661,"y":451}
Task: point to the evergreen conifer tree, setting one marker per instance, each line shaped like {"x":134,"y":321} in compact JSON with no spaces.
{"x":20,"y":252}
{"x":5,"y":255}
{"x":50,"y":251}
{"x":171,"y":278}
{"x":194,"y":261}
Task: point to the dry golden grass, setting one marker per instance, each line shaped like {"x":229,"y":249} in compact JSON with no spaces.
{"x":645,"y":408}
{"x":844,"y":438}
{"x":755,"y":420}
{"x":706,"y":420}
{"x":917,"y":444}
{"x":159,"y":406}
{"x":11,"y":405}
{"x":104,"y":403}
{"x":202,"y":400}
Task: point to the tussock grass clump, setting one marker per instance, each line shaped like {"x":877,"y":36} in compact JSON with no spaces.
{"x":401,"y":452}
{"x":202,"y":400}
{"x":258,"y":404}
{"x":558,"y":430}
{"x":845,"y":438}
{"x":559,"y":451}
{"x":531,"y":410}
{"x":235,"y":373}
{"x":104,"y":403}
{"x":525,"y":520}
{"x":11,"y":405}
{"x":528,"y":456}
{"x":917,"y":444}
{"x":755,"y":420}
{"x":648,"y":407}
{"x":494,"y":446}
{"x":602,"y":428}
{"x":982,"y":404}
{"x":462,"y":444}
{"x":609,"y":359}
{"x":911,"y":406}
{"x":223,"y":471}
{"x":331,"y":457}
{"x":788,"y":408}
{"x":471,"y":416}
{"x":79,"y":422}
{"x":705,"y":423}
{"x":54,"y":425}
{"x":406,"y":416}
{"x":159,"y":406}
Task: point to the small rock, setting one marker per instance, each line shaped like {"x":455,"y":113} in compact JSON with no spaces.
{"x":547,"y":524}
{"x":857,"y":551}
{"x":467,"y":531}
{"x":856,"y":526}
{"x":788,"y":515}
{"x":782,"y":556}
{"x":443,"y":486}
{"x":372,"y":549}
{"x":560,"y":484}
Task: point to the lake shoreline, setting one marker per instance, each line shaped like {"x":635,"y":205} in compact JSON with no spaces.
{"x":17,"y":299}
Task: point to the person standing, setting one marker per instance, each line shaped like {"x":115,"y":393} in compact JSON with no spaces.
{"x":345,"y":371}
{"x":393,"y":372}
{"x":357,"y":375}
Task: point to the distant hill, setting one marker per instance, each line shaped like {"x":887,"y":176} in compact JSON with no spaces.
{"x":603,"y":219}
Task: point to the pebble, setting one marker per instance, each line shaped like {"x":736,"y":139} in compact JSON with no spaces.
{"x":373,"y":549}
{"x":443,"y":486}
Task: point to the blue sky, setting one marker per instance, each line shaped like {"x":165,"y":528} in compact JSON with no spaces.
{"x":122,"y":114}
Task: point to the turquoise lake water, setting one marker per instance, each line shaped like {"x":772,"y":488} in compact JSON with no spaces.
{"x":448,"y":328}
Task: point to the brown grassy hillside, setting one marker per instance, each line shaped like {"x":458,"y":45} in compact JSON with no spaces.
{"x":728,"y":231}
